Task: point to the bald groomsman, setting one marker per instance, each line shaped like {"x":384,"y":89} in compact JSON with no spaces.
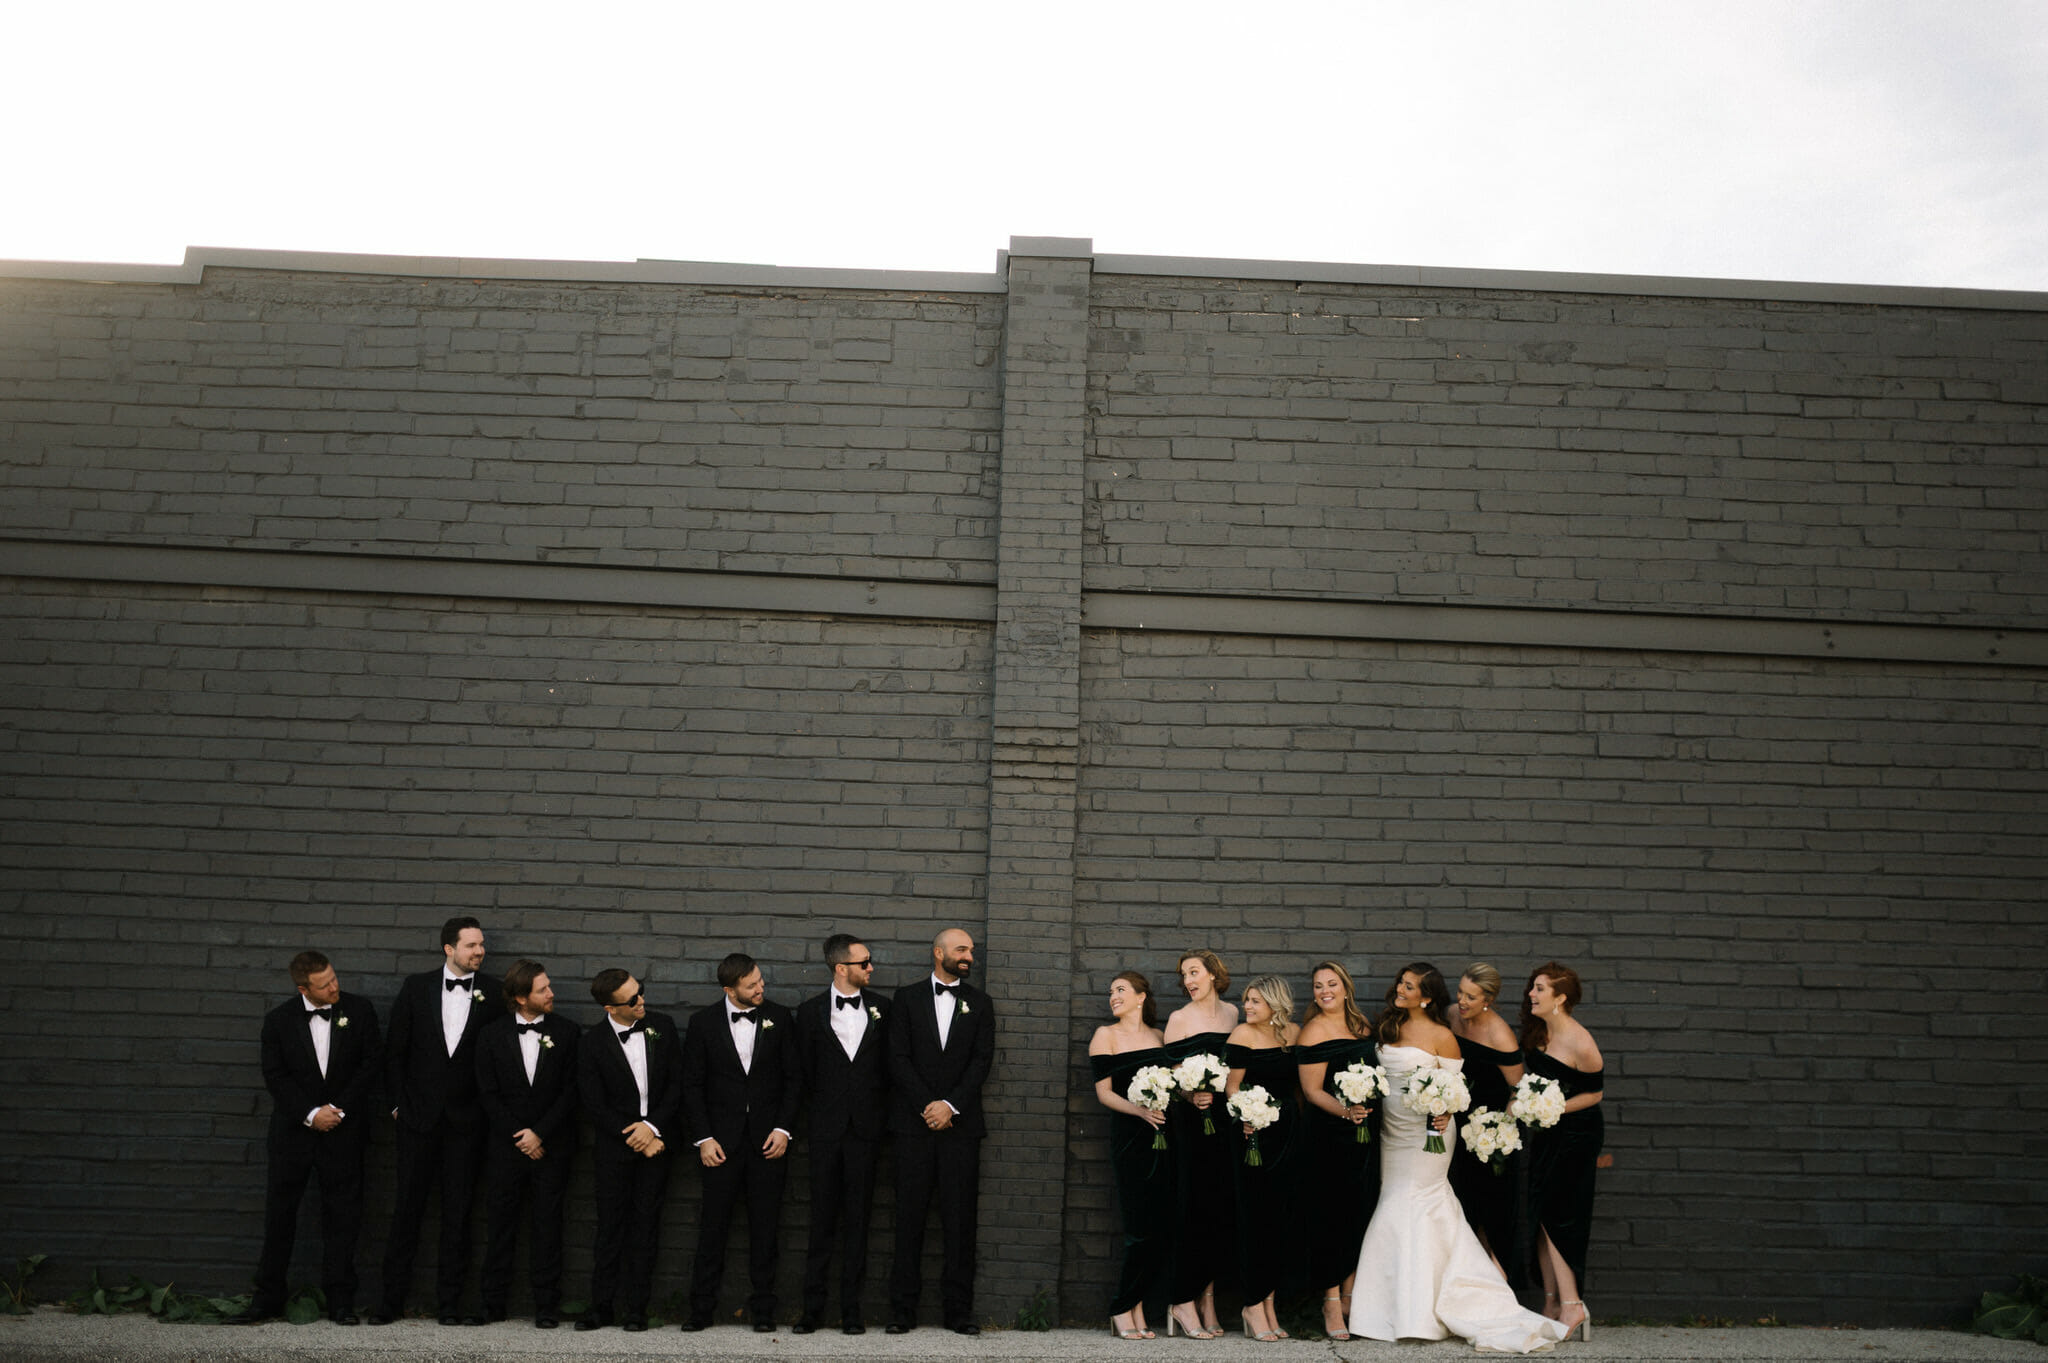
{"x":430,"y":1069}
{"x":942,"y":1040}
{"x":321,"y":1053}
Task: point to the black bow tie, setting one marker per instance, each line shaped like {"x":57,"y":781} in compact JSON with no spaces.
{"x":938,"y":989}
{"x":744,"y":1017}
{"x":530,"y":1026}
{"x":457,"y":984}
{"x":842,"y":1001}
{"x":639,"y":1026}
{"x":324,"y":1014}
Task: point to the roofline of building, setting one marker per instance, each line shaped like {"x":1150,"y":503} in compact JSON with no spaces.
{"x":199,"y":259}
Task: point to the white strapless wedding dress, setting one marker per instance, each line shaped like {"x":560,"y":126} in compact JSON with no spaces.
{"x":1422,"y":1273}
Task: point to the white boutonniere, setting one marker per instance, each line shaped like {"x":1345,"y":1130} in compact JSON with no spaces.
{"x":650,"y":1033}
{"x":476,"y":995}
{"x":964,"y":1009}
{"x":875,"y":1013}
{"x":341,"y":1021}
{"x":767,"y":1024}
{"x":547,"y":1043}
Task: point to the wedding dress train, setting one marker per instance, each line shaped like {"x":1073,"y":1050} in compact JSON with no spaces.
{"x":1422,"y":1273}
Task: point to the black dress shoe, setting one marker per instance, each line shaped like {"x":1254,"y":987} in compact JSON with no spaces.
{"x":451,"y":1319}
{"x":635,"y":1325}
{"x":853,"y":1327}
{"x":897,"y":1327}
{"x":804,"y":1326}
{"x":343,"y":1316}
{"x":694,"y":1324}
{"x":378,"y":1317}
{"x":544,"y":1321}
{"x":593,"y":1320}
{"x":966,"y":1327}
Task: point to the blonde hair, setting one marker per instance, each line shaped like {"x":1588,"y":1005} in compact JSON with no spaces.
{"x":1279,"y":998}
{"x":1486,"y":977}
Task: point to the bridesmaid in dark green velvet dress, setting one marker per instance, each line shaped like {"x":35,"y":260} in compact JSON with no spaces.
{"x":1563,"y":1159}
{"x":1343,"y":1176}
{"x":1205,"y":1152}
{"x":1268,"y":1199}
{"x":1495,"y":1203}
{"x":1145,"y":1185}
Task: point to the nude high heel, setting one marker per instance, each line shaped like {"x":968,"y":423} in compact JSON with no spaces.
{"x":1341,"y":1335}
{"x":1133,"y":1333}
{"x":1263,"y":1336}
{"x":1174,"y":1324}
{"x":1585,"y":1325}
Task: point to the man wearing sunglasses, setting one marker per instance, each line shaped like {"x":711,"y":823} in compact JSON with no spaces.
{"x":843,"y":1050}
{"x":630,"y":1077}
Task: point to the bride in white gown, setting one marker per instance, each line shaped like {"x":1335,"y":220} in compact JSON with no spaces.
{"x":1422,"y":1273}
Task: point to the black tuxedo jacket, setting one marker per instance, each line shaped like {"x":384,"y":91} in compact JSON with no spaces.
{"x":844,"y":1097}
{"x":291,"y":1070}
{"x":604,"y":1082}
{"x":426,"y":1082}
{"x":547,"y":1105}
{"x":739,"y":1107}
{"x":919,"y":1071}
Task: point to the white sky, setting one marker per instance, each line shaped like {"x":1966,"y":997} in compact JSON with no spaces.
{"x":1873,"y":141}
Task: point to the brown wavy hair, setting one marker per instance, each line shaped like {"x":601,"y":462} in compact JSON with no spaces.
{"x":1144,"y":988}
{"x":1354,"y":1017}
{"x":1436,"y":998}
{"x":1212,"y":962}
{"x":1563,"y":979}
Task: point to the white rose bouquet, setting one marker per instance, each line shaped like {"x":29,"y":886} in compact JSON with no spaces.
{"x":1435,"y":1093}
{"x":1256,"y":1109}
{"x":1538,"y":1101}
{"x":1202,"y":1073}
{"x":1152,"y":1089}
{"x":1358,"y":1084}
{"x":1492,"y":1136}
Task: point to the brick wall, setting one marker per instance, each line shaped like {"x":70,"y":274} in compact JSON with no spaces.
{"x":1101,"y":606}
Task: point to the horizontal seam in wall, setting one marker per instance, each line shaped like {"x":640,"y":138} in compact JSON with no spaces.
{"x":1652,"y":632}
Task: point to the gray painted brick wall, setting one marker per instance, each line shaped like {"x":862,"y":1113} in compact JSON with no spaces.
{"x":1804,"y":890}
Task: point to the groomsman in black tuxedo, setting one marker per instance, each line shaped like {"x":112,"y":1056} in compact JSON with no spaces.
{"x":942,"y":1040}
{"x":843,"y":1051}
{"x":526,"y":1079}
{"x":630,"y":1077}
{"x":430,"y":1068}
{"x":741,"y":1086}
{"x":321,"y":1054}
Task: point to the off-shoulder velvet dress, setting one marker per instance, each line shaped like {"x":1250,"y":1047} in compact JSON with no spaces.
{"x":1205,"y":1206}
{"x":1269,"y":1193}
{"x":1342,"y":1180}
{"x":1562,"y":1164}
{"x":1496,"y":1205}
{"x":1146,"y":1186}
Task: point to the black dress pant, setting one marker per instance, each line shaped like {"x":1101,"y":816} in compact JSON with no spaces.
{"x":449,"y":1158}
{"x":842,"y":1197}
{"x":512,"y":1178}
{"x":298,"y":1156}
{"x":629,"y":1189}
{"x":945,"y":1165}
{"x":759,"y":1180}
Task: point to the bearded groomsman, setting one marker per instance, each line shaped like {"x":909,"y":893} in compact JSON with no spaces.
{"x":526,"y":1080}
{"x":843,"y":1052}
{"x":741,"y":1087}
{"x":629,"y":1074}
{"x":321,"y":1054}
{"x":430,"y":1068}
{"x":942,"y":1040}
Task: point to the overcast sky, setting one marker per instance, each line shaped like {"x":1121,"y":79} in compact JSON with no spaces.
{"x":1868,"y":142}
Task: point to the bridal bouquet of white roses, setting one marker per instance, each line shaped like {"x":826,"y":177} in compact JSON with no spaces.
{"x":1358,"y":1084}
{"x":1492,"y":1136}
{"x":1435,"y":1093}
{"x":1202,"y":1073}
{"x":1152,"y":1089}
{"x":1256,"y":1109}
{"x":1538,"y":1101}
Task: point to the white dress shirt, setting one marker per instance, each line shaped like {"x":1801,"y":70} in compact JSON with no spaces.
{"x":744,"y":1034}
{"x":946,"y":1007}
{"x":529,"y":1046}
{"x":454,"y":1007}
{"x":322,"y":1032}
{"x":848,"y":1024}
{"x":634,"y":1044}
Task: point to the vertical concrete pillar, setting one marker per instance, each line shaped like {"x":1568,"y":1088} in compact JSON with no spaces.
{"x":1037,"y":711}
